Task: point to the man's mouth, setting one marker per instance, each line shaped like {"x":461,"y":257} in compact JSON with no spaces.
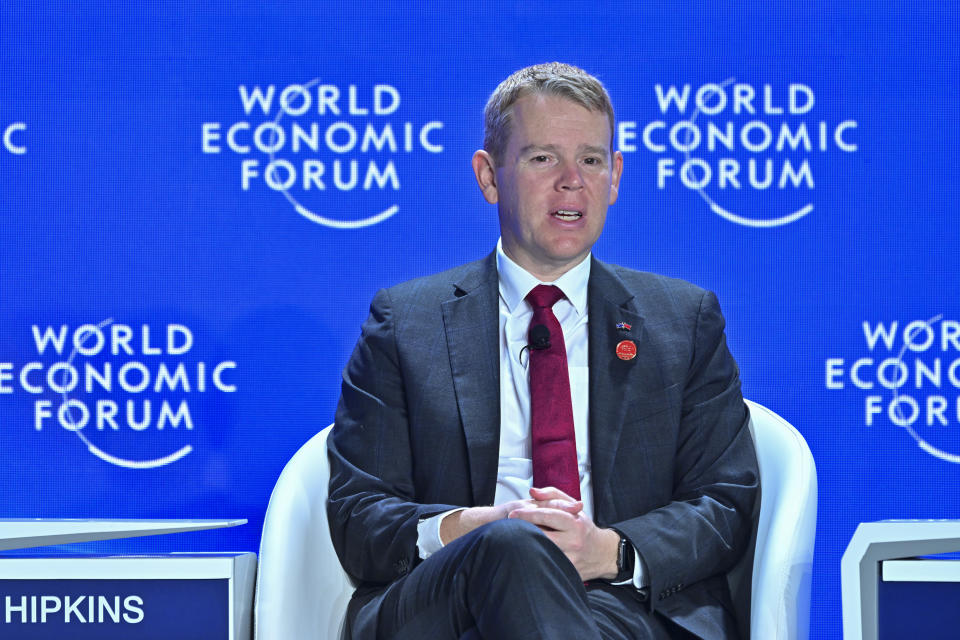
{"x":567,"y":215}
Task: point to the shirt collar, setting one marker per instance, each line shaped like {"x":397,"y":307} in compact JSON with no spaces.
{"x":516,"y":282}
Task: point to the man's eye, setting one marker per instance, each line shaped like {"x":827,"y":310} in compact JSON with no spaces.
{"x":591,"y":160}
{"x":541,"y":158}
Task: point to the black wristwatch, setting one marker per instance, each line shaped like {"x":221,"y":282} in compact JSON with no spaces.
{"x":626,"y":557}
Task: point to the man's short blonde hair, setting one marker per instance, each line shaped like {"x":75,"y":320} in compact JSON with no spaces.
{"x":553,"y":79}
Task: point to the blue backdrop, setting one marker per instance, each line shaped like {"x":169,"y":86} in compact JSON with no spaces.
{"x":198,"y":204}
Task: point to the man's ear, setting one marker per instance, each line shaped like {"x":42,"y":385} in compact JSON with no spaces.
{"x":616,"y":173}
{"x":486,"y":173}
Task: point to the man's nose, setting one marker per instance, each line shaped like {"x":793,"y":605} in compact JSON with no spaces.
{"x":569,"y":178}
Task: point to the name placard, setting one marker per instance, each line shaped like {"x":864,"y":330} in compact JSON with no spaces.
{"x":180,"y":596}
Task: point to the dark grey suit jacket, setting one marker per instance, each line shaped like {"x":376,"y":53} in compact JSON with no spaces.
{"x":418,"y":427}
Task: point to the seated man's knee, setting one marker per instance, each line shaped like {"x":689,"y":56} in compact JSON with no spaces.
{"x":505,"y":547}
{"x":510,"y":535}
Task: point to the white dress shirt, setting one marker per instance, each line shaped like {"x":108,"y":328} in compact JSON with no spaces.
{"x":515,"y":465}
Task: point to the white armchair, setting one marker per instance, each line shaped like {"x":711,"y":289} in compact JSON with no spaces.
{"x":776,"y":598}
{"x":302,"y":591}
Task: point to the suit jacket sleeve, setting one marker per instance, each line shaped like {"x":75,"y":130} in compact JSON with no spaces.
{"x":371,"y":507}
{"x":704,"y":527}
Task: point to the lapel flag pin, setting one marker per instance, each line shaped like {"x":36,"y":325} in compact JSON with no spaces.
{"x":626,"y":350}
{"x":623,"y":326}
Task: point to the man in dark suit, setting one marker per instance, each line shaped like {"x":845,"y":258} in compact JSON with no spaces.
{"x":438,"y":505}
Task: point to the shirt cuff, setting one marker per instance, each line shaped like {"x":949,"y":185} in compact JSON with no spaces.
{"x":639,"y":580}
{"x":428,"y":534}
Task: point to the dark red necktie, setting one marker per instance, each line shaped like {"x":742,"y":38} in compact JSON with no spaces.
{"x":551,"y":410}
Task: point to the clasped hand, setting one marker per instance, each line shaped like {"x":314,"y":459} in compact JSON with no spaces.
{"x":592,"y":550}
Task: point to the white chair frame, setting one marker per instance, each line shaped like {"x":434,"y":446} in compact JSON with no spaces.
{"x":302,"y":591}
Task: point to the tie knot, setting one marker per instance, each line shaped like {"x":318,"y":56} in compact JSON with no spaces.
{"x":544,"y":296}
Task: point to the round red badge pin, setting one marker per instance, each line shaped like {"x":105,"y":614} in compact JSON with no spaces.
{"x":626,"y":350}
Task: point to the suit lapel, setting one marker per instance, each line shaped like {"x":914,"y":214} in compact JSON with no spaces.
{"x":614,"y":383}
{"x":471,"y":325}
{"x":470,"y":321}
